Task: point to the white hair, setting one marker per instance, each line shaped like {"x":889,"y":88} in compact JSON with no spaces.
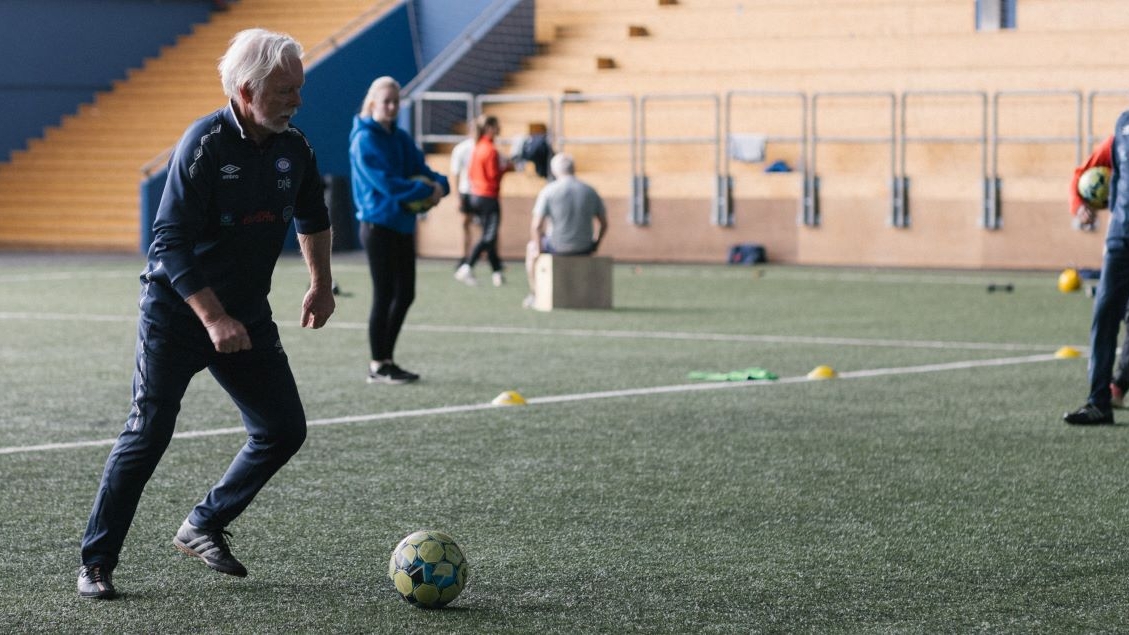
{"x":378,"y":85}
{"x":562,"y":165}
{"x":252,"y":56}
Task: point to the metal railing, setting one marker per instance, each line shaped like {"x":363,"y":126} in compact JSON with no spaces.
{"x":1091,"y":99}
{"x":812,"y":113}
{"x":714,"y":103}
{"x":420,"y":112}
{"x":992,"y":218}
{"x":811,"y":214}
{"x":901,"y":212}
{"x":483,"y":101}
{"x":802,"y":139}
{"x":563,"y":138}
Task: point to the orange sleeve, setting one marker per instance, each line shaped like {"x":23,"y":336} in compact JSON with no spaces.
{"x":491,"y":170}
{"x":1102,"y":156}
{"x":485,"y":174}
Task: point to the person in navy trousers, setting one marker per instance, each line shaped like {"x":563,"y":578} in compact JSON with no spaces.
{"x":237,"y":180}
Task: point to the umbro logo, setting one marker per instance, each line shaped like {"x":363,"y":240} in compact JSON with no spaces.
{"x":229,"y":171}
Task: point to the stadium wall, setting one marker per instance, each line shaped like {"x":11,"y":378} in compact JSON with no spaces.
{"x":59,"y":53}
{"x":854,"y":233}
{"x":853,"y":55}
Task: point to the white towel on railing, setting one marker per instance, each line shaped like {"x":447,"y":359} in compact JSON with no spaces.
{"x":747,"y":147}
{"x":516,"y":144}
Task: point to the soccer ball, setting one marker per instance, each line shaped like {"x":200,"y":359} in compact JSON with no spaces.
{"x":1093,"y":187}
{"x":428,"y":569}
{"x":421,"y":205}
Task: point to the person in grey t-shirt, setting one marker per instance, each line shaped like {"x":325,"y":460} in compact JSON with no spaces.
{"x":563,"y":218}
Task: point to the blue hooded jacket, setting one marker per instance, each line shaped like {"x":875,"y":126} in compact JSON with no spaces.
{"x":383,"y":164}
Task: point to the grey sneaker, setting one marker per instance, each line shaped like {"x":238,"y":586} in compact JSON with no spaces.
{"x":94,"y":583}
{"x":209,"y":546}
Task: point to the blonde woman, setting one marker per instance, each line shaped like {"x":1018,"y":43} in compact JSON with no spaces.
{"x":388,"y":194}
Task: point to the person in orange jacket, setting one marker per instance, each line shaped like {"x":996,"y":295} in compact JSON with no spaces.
{"x":487,"y":168}
{"x":1084,"y":213}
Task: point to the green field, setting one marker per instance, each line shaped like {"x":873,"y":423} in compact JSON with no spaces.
{"x":931,"y":488}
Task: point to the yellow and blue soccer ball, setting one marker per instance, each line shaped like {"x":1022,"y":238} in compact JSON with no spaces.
{"x":421,"y":205}
{"x":1093,"y":187}
{"x":428,"y":569}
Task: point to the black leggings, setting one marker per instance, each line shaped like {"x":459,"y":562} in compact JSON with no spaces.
{"x":392,"y":265}
{"x":489,"y":213}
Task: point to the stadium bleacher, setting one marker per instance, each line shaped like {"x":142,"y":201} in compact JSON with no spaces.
{"x":860,"y":98}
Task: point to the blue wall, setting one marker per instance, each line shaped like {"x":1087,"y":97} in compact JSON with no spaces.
{"x":442,"y":22}
{"x":336,"y":85}
{"x":58,"y":53}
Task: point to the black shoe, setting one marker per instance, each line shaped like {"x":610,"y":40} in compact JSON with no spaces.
{"x":94,"y":583}
{"x":1088,"y":415}
{"x":209,"y":546}
{"x":389,"y":373}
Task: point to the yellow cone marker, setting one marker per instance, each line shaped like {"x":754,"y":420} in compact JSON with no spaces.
{"x":822,"y":372}
{"x":1067,"y":352}
{"x":509,"y":398}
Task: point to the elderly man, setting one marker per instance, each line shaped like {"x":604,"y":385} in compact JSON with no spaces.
{"x":563,"y":217}
{"x":236,"y":180}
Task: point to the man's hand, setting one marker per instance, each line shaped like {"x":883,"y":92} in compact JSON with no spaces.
{"x":228,"y":335}
{"x":317,"y":306}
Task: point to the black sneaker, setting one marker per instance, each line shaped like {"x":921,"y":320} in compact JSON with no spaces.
{"x":1088,"y":415}
{"x":391,"y":374}
{"x":209,"y":546}
{"x":94,"y":583}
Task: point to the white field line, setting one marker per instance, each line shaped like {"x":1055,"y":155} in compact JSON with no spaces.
{"x":535,"y":401}
{"x":725,"y":337}
{"x":68,"y":275}
{"x":641,"y":270}
{"x":620,"y":334}
{"x":65,"y":317}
